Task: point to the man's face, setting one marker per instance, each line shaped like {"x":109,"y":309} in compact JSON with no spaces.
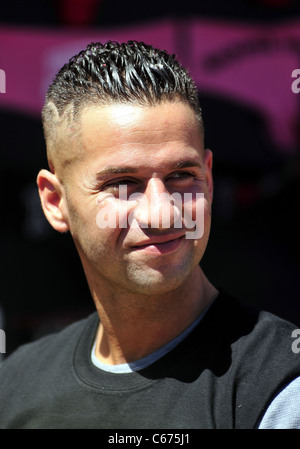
{"x":152,"y":151}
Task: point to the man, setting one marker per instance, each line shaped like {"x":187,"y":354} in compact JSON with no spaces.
{"x":130,"y":179}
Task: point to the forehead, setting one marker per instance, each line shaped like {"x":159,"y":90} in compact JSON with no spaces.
{"x":125,"y":133}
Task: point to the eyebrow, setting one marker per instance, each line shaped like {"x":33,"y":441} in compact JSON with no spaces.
{"x":115,"y":171}
{"x":186,"y":164}
{"x":125,"y":170}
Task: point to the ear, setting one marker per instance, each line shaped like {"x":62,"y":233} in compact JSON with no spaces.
{"x":208,"y":162}
{"x":52,"y":197}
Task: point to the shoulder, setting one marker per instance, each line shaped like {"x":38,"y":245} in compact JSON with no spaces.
{"x":257,"y":336}
{"x":263,"y":359}
{"x":246,"y":325}
{"x":284,"y":410}
{"x":40,"y":373}
{"x":270,"y":339}
{"x":37,"y":358}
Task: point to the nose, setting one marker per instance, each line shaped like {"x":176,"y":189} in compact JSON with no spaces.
{"x":156,"y":208}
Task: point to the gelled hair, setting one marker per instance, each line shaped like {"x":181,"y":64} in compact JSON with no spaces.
{"x":115,"y":73}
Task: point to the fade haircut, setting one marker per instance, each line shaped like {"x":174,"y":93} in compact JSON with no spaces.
{"x":114,"y":73}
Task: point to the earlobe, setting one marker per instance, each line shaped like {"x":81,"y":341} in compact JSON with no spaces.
{"x":52,"y":200}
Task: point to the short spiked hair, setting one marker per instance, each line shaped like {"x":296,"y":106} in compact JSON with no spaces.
{"x":115,"y":73}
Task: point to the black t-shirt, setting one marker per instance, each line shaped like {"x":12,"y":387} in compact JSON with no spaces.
{"x":223,"y":375}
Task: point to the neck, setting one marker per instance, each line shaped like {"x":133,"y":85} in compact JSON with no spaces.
{"x":134,"y":326}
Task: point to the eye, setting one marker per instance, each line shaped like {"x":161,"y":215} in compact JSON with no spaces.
{"x":181,"y":175}
{"x":114,"y":185}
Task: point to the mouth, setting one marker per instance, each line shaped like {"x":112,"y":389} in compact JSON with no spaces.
{"x":160,"y":246}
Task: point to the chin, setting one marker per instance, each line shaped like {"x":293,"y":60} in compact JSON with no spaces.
{"x":157,"y":281}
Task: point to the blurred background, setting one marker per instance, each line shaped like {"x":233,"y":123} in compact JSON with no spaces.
{"x":241,"y":54}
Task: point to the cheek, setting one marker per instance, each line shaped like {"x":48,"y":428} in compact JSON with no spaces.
{"x":83,"y":227}
{"x":111,"y":212}
{"x":94,"y":245}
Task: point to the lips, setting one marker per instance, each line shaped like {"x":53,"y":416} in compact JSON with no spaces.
{"x":160,"y":245}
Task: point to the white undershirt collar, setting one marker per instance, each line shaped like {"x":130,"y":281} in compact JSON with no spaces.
{"x":149,"y":359}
